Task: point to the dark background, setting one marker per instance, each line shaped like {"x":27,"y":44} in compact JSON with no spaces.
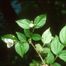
{"x":12,"y":10}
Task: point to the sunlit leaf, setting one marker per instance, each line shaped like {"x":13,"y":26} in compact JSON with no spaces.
{"x":56,"y":46}
{"x":50,"y":58}
{"x":46,"y":50}
{"x":21,"y":48}
{"x":40,"y":21}
{"x":24,"y":23}
{"x":62,"y":55}
{"x":47,"y":36}
{"x":39,"y":48}
{"x":62,"y":35}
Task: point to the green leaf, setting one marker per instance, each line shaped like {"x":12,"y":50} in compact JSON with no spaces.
{"x":40,"y":21}
{"x":46,"y":50}
{"x":21,"y":48}
{"x":34,"y":63}
{"x":62,"y":35}
{"x":50,"y":58}
{"x":8,"y":36}
{"x":21,"y":37}
{"x":27,"y":32}
{"x":56,"y":46}
{"x":36,"y":37}
{"x":39,"y":48}
{"x":24,"y":23}
{"x":47,"y":36}
{"x":56,"y":64}
{"x":62,"y":55}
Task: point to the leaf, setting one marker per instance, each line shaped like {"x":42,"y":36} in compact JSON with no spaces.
{"x":36,"y":37}
{"x":39,"y":48}
{"x":47,"y":36}
{"x":24,"y":23}
{"x":56,"y":64}
{"x":62,"y":35}
{"x":62,"y":55}
{"x":8,"y":36}
{"x":34,"y":63}
{"x":46,"y":50}
{"x":21,"y":37}
{"x":50,"y":58}
{"x":56,"y":46}
{"x":9,"y":39}
{"x":21,"y":48}
{"x":40,"y":21}
{"x":27,"y":32}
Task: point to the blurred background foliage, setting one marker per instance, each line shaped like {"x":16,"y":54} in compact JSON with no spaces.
{"x":12,"y":10}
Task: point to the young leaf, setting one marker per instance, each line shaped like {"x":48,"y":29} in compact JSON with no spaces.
{"x":62,"y":35}
{"x":21,"y":48}
{"x":56,"y":46}
{"x":36,"y":37}
{"x":39,"y":48}
{"x":62,"y":55}
{"x":50,"y":58}
{"x":21,"y":37}
{"x":46,"y":50}
{"x":56,"y":64}
{"x":40,"y":21}
{"x":27,"y":32}
{"x":47,"y":36}
{"x":24,"y":23}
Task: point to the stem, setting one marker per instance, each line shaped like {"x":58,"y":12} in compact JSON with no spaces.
{"x":38,"y":53}
{"x":56,"y":58}
{"x":33,"y":29}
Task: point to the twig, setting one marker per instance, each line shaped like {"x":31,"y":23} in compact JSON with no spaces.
{"x":38,"y":53}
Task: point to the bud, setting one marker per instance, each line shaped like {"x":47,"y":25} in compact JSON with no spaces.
{"x":31,"y":25}
{"x":44,"y":65}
